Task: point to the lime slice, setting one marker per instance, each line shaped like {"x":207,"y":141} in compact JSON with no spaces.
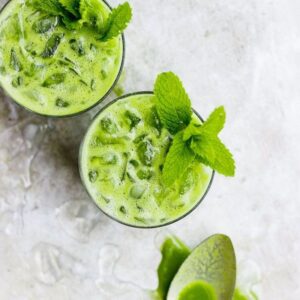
{"x":213,"y":261}
{"x":198,"y":290}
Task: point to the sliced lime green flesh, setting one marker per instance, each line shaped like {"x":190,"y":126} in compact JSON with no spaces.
{"x":52,"y":70}
{"x":213,"y":261}
{"x":198,"y":290}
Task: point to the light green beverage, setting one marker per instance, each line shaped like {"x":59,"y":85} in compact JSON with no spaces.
{"x":51,"y":69}
{"x":121,"y":162}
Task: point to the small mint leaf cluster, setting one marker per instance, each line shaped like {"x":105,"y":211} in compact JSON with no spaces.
{"x":76,"y":13}
{"x":192,"y":140}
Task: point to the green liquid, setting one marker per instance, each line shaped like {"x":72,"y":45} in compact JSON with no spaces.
{"x":174,"y":252}
{"x":121,"y":163}
{"x":51,"y":70}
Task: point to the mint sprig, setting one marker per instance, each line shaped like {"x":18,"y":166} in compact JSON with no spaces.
{"x":213,"y":125}
{"x":192,"y":140}
{"x":117,"y":21}
{"x":52,"y":7}
{"x":72,"y":6}
{"x":172,"y":102}
{"x":213,"y":153}
{"x":205,"y":143}
{"x":178,"y":159}
{"x":75,"y":13}
{"x":66,"y":10}
{"x":92,"y":14}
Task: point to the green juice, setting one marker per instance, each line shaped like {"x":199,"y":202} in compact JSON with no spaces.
{"x":121,"y":162}
{"x":50,"y":69}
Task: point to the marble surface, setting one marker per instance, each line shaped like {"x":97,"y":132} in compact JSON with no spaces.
{"x":54,"y":243}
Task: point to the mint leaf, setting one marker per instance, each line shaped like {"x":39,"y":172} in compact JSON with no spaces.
{"x":15,"y":63}
{"x":117,"y":21}
{"x":213,"y":261}
{"x":54,"y":79}
{"x":204,"y":142}
{"x":75,"y":13}
{"x":198,"y":290}
{"x":213,"y":125}
{"x":203,"y":146}
{"x":192,"y":129}
{"x":71,"y":24}
{"x":72,"y":6}
{"x":174,"y":252}
{"x":172,"y":102}
{"x":177,"y":161}
{"x":215,"y":122}
{"x":174,"y":109}
{"x":213,"y":153}
{"x":93,"y":13}
{"x":52,"y":7}
{"x":52,"y":45}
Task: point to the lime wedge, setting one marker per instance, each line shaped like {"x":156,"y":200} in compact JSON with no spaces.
{"x":198,"y":290}
{"x":213,"y":261}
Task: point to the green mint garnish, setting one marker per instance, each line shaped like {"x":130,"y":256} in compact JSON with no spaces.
{"x":52,"y":7}
{"x":93,"y":14}
{"x":213,"y":125}
{"x":72,"y":6}
{"x":54,"y":79}
{"x":192,"y":140}
{"x":57,"y":8}
{"x":212,"y":152}
{"x":178,"y":159}
{"x":52,"y":45}
{"x":204,"y":142}
{"x":75,"y":13}
{"x":15,"y":63}
{"x":172,"y":102}
{"x":117,"y":21}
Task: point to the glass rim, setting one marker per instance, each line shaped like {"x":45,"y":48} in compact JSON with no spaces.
{"x":88,"y":108}
{"x":92,"y":198}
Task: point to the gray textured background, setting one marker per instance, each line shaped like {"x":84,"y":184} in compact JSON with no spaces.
{"x":54,"y":244}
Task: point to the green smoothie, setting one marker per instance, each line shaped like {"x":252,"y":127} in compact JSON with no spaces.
{"x":121,"y":162}
{"x":51,"y":69}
